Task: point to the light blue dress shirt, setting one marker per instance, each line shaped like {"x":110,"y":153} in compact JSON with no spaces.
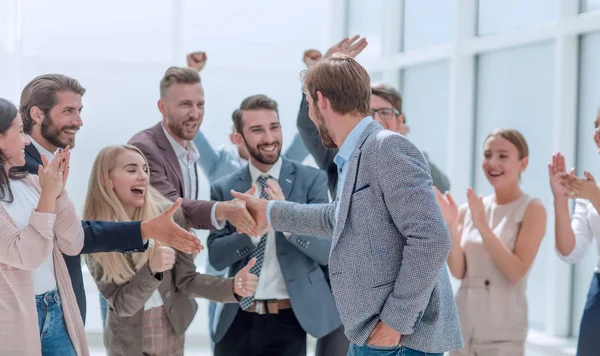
{"x":341,"y":160}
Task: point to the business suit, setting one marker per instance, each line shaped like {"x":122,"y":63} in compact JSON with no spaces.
{"x":100,"y":236}
{"x":300,"y":256}
{"x":216,"y":164}
{"x":389,"y":245}
{"x":324,"y":156}
{"x":166,"y":175}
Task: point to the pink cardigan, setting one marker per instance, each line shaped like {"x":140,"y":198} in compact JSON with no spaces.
{"x":22,"y":252}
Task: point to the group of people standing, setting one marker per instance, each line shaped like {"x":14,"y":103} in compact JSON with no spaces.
{"x":365,"y":274}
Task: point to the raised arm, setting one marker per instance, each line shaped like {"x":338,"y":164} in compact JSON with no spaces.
{"x":455,"y":219}
{"x":29,"y":248}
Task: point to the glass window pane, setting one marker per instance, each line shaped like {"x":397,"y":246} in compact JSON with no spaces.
{"x":367,"y":18}
{"x":426,"y":106}
{"x":590,"y":5}
{"x":587,"y":157}
{"x":500,"y":16}
{"x":514,"y":89}
{"x":427,"y":22}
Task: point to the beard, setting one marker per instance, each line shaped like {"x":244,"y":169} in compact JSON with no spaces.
{"x":177,"y":128}
{"x":51,"y":132}
{"x":326,"y":138}
{"x":258,"y":155}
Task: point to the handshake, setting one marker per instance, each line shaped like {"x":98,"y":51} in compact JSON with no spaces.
{"x":248,"y":213}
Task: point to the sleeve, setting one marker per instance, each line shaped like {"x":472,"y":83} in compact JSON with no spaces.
{"x":582,"y":230}
{"x":198,"y":212}
{"x":413,"y":208}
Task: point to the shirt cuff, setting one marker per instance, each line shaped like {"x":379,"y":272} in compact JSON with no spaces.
{"x":287,"y":235}
{"x":255,"y":240}
{"x":218,"y":225}
{"x":269,"y":207}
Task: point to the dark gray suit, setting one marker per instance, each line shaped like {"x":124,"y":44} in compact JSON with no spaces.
{"x":300,"y":256}
{"x":324,"y":156}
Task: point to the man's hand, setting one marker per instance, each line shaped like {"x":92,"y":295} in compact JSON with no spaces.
{"x":311,"y":57}
{"x":349,"y":46}
{"x":162,"y":228}
{"x":196,"y":60}
{"x":236,"y":212}
{"x":244,"y":282}
{"x":257,"y":207}
{"x":384,"y":336}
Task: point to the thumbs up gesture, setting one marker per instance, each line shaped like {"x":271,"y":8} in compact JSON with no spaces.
{"x":244,"y":283}
{"x":161,"y":258}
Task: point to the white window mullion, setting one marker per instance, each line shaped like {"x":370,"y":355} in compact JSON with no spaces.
{"x":559,"y":274}
{"x":462,"y":98}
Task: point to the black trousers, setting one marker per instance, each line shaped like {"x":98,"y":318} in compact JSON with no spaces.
{"x":252,"y":334}
{"x":333,"y":344}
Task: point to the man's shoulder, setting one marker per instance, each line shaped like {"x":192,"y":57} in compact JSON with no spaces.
{"x":304,"y":169}
{"x":227,"y":181}
{"x":144,"y":138}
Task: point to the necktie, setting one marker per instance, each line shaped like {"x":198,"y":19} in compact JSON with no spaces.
{"x":259,"y":253}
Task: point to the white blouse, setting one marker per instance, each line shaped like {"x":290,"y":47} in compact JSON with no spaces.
{"x":585,"y":223}
{"x":26,"y":200}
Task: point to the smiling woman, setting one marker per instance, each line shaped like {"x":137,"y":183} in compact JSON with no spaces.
{"x":495,"y":240}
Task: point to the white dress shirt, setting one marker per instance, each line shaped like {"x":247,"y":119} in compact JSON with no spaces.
{"x":585,"y":223}
{"x":26,"y":200}
{"x":271,"y":284}
{"x":187,"y":157}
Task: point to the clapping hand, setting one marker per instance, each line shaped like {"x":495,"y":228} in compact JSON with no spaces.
{"x":477,"y":209}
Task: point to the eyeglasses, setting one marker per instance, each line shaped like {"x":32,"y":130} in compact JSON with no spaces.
{"x":385,"y":113}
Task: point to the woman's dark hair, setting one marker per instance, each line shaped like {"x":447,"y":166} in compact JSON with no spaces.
{"x":8,"y":113}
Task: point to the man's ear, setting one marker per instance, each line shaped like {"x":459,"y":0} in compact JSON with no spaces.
{"x":37,"y":115}
{"x":237,"y":139}
{"x":161,"y":106}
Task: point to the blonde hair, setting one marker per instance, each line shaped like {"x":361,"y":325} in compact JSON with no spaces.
{"x":102,"y":203}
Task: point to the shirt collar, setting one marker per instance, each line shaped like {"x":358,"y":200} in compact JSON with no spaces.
{"x":49,"y":155}
{"x":180,"y":151}
{"x":351,"y":141}
{"x":274,"y":172}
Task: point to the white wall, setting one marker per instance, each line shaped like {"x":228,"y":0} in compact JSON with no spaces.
{"x":119,"y":50}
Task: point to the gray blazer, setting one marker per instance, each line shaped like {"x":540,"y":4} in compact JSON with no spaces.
{"x":324,"y":156}
{"x":300,"y":257}
{"x":216,"y":164}
{"x":390,"y":244}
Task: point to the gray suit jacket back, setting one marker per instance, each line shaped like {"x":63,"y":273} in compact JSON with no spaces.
{"x":390,"y":244}
{"x":300,"y":256}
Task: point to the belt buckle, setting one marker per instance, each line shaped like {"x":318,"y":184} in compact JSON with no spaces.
{"x":260,"y":307}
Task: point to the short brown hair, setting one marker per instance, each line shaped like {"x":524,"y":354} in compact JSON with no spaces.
{"x":41,"y":93}
{"x":343,"y":81}
{"x":178,"y":75}
{"x":513,"y":136}
{"x":389,"y":94}
{"x":253,"y":102}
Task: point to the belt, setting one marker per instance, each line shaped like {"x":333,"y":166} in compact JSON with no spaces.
{"x":262,"y":307}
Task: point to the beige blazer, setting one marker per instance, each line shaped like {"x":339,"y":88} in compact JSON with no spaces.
{"x":22,"y":252}
{"x":123,"y":335}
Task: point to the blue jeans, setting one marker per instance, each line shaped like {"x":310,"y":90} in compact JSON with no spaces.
{"x":103,"y":310}
{"x":367,"y":350}
{"x":53,"y":329}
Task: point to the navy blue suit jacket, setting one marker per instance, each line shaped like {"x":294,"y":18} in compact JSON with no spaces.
{"x":100,"y":236}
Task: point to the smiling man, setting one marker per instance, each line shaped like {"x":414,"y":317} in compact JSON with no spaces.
{"x":50,"y":108}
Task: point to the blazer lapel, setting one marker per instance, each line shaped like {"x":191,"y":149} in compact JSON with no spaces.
{"x":244,"y":181}
{"x":164,"y":144}
{"x":32,"y":152}
{"x":348,"y":189}
{"x":286,"y":177}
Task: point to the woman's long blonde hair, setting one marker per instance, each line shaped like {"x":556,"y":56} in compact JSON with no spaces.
{"x":102,"y":203}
